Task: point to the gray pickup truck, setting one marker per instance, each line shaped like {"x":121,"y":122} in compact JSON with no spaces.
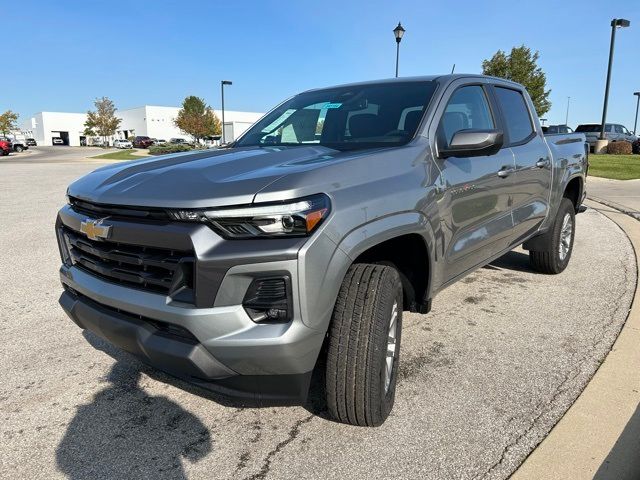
{"x":297,"y":249}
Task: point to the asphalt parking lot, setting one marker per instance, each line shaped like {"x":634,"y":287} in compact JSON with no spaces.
{"x":484,"y":376}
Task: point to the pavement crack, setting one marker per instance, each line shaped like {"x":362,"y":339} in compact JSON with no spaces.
{"x":293,"y":434}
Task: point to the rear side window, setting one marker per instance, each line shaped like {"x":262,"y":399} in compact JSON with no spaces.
{"x":516,"y":114}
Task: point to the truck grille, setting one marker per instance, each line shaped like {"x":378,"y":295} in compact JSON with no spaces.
{"x":117,"y":211}
{"x":154,"y":269}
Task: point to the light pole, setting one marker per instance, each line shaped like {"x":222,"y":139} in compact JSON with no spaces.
{"x":635,"y":124}
{"x":566,"y":118}
{"x":222,"y":84}
{"x":615,"y":23}
{"x":398,"y":32}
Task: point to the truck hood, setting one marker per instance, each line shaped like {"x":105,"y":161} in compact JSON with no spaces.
{"x":195,"y":180}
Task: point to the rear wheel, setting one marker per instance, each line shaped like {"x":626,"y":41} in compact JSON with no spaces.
{"x":556,"y":250}
{"x":364,"y":346}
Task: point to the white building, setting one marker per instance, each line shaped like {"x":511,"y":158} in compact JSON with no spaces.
{"x":149,"y":120}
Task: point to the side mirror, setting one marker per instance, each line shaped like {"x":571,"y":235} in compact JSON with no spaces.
{"x":473,"y":143}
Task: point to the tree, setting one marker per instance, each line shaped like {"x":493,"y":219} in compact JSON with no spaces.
{"x":521,"y":66}
{"x":197,"y":119}
{"x":103,"y":121}
{"x":8,"y":122}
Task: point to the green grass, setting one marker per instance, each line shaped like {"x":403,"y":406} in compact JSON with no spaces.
{"x":120,"y":155}
{"x":619,"y":167}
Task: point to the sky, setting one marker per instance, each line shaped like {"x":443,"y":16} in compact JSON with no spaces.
{"x":60,"y":56}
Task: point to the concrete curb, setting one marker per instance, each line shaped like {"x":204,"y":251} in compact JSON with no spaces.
{"x":617,"y":206}
{"x":599,"y":436}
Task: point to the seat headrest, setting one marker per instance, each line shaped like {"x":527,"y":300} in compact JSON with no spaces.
{"x":454,"y":122}
{"x":363,"y":125}
{"x":411,"y":120}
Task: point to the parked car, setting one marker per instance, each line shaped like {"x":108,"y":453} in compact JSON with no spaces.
{"x":239,"y":270}
{"x":57,"y":141}
{"x":118,"y":143}
{"x":160,"y":141}
{"x":5,"y":147}
{"x":31,"y":142}
{"x":614,"y":132}
{"x":557,"y":129}
{"x":180,"y":141}
{"x":18,"y":144}
{"x":142,"y":142}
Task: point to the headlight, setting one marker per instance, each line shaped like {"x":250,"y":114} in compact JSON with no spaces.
{"x":293,"y":218}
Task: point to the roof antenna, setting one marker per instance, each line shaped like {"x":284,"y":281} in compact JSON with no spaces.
{"x":453,"y":68}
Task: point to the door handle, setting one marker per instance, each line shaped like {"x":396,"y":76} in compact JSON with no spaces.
{"x":504,"y":172}
{"x":542,"y":163}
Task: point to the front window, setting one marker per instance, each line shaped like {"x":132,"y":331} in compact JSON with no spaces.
{"x":468,"y":108}
{"x":346,"y":118}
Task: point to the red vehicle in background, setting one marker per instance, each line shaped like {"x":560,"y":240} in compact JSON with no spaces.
{"x":142,"y":142}
{"x":5,"y":147}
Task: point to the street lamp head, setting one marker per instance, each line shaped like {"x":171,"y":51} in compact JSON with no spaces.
{"x":636,"y":94}
{"x":398,"y":32}
{"x":620,"y":23}
{"x":227,"y":82}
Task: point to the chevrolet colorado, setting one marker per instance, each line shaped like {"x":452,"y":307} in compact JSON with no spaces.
{"x":245,"y":268}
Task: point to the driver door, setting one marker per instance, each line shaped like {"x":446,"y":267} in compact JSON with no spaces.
{"x":475,"y":202}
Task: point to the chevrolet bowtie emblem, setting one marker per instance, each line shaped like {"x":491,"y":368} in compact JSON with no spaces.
{"x":94,"y":229}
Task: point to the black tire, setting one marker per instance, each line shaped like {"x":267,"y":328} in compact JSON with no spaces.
{"x":18,"y":148}
{"x":356,"y":387}
{"x":549,"y":259}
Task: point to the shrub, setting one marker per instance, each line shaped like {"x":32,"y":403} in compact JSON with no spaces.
{"x":168,"y":148}
{"x":619,"y":148}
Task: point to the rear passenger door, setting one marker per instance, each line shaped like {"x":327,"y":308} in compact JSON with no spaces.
{"x":474,"y":197}
{"x":619,"y":133}
{"x":532,"y":175}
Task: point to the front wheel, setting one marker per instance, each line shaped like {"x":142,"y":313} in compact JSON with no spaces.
{"x":364,"y":346}
{"x":18,"y":148}
{"x":555,"y":253}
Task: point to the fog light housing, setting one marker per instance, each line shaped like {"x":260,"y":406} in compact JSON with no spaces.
{"x":269,"y":300}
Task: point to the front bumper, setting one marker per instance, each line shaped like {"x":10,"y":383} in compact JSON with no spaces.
{"x":211,"y":341}
{"x":181,"y":355}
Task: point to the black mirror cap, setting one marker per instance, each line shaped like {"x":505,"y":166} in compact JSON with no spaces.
{"x":474,"y":143}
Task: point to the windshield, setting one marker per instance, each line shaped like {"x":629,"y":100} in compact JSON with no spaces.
{"x":345,"y":118}
{"x":588,"y":128}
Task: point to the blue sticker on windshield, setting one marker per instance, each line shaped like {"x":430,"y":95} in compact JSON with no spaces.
{"x":333,"y":105}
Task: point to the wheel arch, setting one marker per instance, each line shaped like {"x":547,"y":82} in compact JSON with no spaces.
{"x":573,"y":191}
{"x":398,"y":240}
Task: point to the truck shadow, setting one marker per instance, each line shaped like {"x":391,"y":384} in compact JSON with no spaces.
{"x":126,"y":433}
{"x":513,"y":260}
